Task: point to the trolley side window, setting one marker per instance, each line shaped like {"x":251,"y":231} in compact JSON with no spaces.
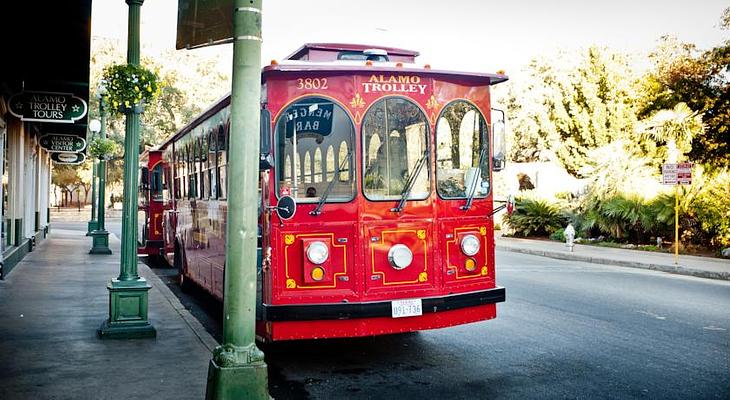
{"x":462,"y":152}
{"x":395,"y":141}
{"x":315,"y":142}
{"x":155,"y":182}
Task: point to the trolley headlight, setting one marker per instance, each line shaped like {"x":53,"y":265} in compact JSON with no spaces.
{"x":470,"y":245}
{"x":400,"y":256}
{"x":317,"y":252}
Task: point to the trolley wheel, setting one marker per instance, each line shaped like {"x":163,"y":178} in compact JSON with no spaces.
{"x":184,"y":283}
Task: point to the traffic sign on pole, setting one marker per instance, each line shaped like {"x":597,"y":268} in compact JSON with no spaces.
{"x":677,"y":174}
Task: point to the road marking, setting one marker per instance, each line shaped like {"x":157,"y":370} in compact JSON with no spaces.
{"x":651,"y":314}
{"x":713,"y":328}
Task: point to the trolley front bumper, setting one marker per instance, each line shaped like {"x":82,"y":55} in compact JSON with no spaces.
{"x":329,"y":311}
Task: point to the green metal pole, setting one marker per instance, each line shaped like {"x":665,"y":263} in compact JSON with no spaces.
{"x":128,"y":294}
{"x":100,"y":236}
{"x":237,"y":369}
{"x":102,"y":170}
{"x":92,"y":225}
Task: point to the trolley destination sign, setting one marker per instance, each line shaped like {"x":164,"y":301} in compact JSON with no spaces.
{"x":48,"y":107}
{"x":56,"y":143}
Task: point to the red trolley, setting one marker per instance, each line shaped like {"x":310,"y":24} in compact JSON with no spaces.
{"x":389,"y":166}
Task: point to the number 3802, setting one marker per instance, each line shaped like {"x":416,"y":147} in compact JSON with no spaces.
{"x":312,"y":83}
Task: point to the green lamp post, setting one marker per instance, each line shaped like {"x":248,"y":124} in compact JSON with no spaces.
{"x":128,"y":293}
{"x":100,"y":236}
{"x":237,"y":369}
{"x":94,"y":127}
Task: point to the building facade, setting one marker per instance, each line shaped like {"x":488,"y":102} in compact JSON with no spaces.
{"x":44,"y":92}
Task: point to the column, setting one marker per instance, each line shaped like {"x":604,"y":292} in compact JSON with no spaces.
{"x":128,"y":293}
{"x":237,"y":369}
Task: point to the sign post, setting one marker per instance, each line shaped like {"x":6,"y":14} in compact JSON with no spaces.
{"x":676,"y":174}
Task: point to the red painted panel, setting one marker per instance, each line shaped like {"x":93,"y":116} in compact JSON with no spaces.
{"x":382,"y":280}
{"x":455,"y":273}
{"x":292,"y":270}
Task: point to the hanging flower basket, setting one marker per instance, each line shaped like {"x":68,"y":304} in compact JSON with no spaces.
{"x":103,"y":149}
{"x":129,"y":87}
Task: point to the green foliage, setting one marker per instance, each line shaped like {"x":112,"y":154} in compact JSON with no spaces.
{"x":563,"y":111}
{"x":704,"y":214}
{"x":682,"y":74}
{"x":558,"y":235}
{"x":102,"y":148}
{"x":534,"y":217}
{"x":129,"y":85}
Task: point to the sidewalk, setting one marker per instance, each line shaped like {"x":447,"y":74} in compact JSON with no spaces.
{"x":704,"y":267}
{"x":72,"y":214}
{"x":50,"y":307}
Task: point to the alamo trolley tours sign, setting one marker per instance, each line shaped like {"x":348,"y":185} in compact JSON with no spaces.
{"x":68,"y":158}
{"x":55,"y":143}
{"x":48,"y":107}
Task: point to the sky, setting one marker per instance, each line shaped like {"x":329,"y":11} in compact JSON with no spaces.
{"x":467,"y":35}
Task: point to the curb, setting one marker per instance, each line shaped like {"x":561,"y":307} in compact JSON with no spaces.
{"x":205,"y":338}
{"x":672,"y":269}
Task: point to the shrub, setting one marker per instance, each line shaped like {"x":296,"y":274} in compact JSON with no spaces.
{"x":533,"y":217}
{"x":558,"y":235}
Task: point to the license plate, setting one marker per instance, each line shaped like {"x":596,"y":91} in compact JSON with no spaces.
{"x":406,"y":308}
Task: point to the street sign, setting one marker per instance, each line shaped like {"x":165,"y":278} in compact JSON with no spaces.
{"x":55,"y":143}
{"x":677,"y":174}
{"x":47,"y":107}
{"x":203,"y":23}
{"x":68,"y":158}
{"x":684,"y":173}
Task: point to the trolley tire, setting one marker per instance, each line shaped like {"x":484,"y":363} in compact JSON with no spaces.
{"x":185,"y":284}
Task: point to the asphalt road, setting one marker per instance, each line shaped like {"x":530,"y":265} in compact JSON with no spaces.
{"x":568,"y":330}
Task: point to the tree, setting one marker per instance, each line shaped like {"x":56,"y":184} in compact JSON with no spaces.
{"x":65,"y":176}
{"x":676,"y":128}
{"x":682,"y":74}
{"x":564,"y":111}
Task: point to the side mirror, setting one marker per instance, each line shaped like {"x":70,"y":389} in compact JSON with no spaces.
{"x":499,"y":141}
{"x":286,"y":207}
{"x":265,"y":143}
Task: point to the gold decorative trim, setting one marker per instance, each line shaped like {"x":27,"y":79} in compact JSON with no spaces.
{"x":421,"y":234}
{"x":484,"y":269}
{"x":483,"y":230}
{"x":432,"y":103}
{"x":335,"y":276}
{"x":357,"y":101}
{"x":422,"y":275}
{"x":288,"y":239}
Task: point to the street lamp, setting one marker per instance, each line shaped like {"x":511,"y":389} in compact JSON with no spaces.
{"x":94,"y":127}
{"x":100,"y":235}
{"x":128,"y":293}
